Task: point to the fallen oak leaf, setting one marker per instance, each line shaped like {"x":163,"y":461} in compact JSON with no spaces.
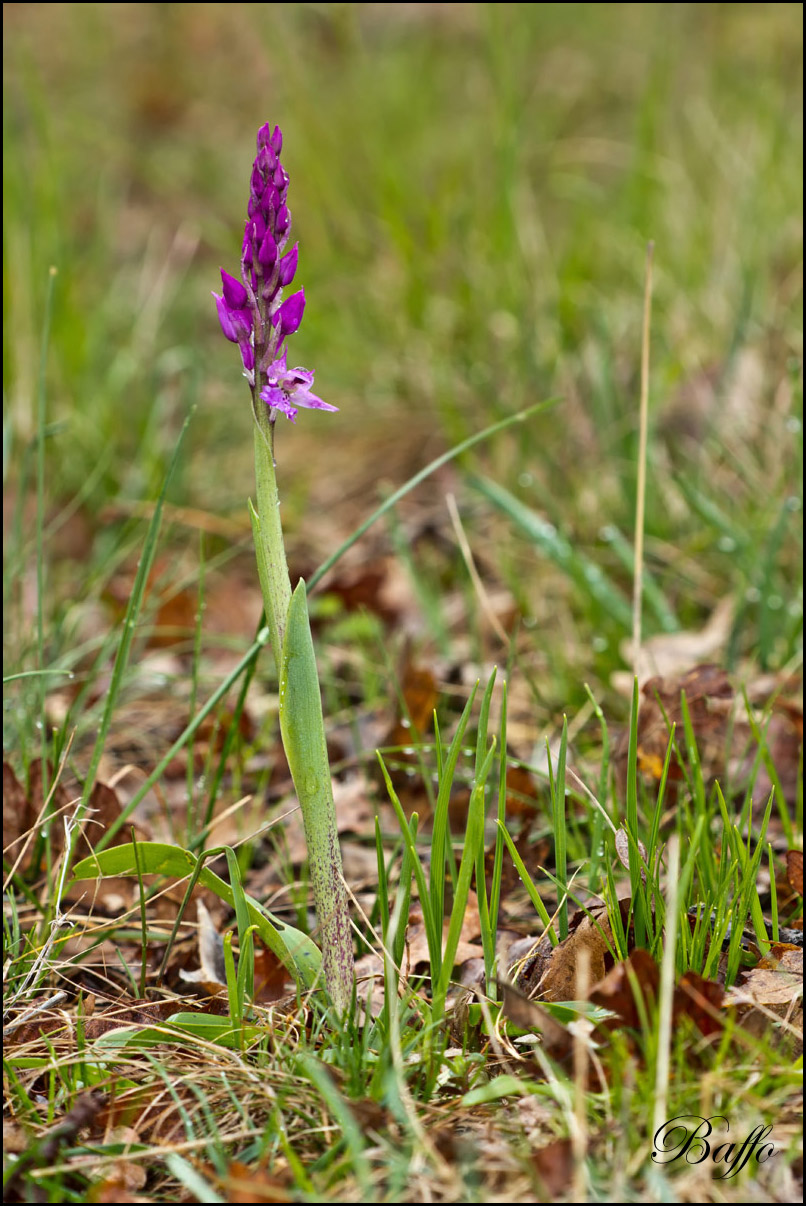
{"x":773,"y":988}
{"x":783,"y":957}
{"x":553,"y":973}
{"x":769,"y":1005}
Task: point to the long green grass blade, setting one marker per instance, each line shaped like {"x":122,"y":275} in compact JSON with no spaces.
{"x":583,"y":572}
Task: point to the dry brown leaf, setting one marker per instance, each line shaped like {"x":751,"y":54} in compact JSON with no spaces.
{"x":556,"y":976}
{"x":554,"y":1165}
{"x":784,"y":739}
{"x":417,"y":955}
{"x":271,"y":977}
{"x":59,"y":800}
{"x":534,"y":855}
{"x":104,"y":808}
{"x":22,"y":810}
{"x":211,"y":972}
{"x":671,"y":654}
{"x":364,"y":588}
{"x":616,"y":990}
{"x":125,"y":1108}
{"x":124,"y":1177}
{"x":15,"y":1139}
{"x":700,"y":1000}
{"x":623,"y":850}
{"x":369,"y":971}
{"x":115,"y":1189}
{"x":421,"y":696}
{"x":417,"y":943}
{"x":414,"y":719}
{"x":726,"y":746}
{"x":783,"y":957}
{"x":521,"y":793}
{"x":710,"y":698}
{"x":355,"y":811}
{"x":794,"y":870}
{"x":114,"y":1015}
{"x":17,"y":817}
{"x":60,"y":1134}
{"x":250,"y":1183}
{"x":773,"y":989}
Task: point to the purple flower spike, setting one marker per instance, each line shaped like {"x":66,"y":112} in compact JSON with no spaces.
{"x":251,"y":311}
{"x":287,"y":389}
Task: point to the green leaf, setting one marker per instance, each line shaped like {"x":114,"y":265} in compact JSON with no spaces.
{"x":183,"y":1028}
{"x":499,"y":1086}
{"x":297,"y":952}
{"x":303,"y":731}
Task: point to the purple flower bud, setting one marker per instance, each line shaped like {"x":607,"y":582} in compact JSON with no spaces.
{"x":235,"y":294}
{"x":266,"y":162}
{"x":288,"y":265}
{"x":277,"y":140}
{"x":267,"y":253}
{"x":289,"y":316}
{"x":282,"y":221}
{"x":248,"y":358}
{"x":235,"y":323}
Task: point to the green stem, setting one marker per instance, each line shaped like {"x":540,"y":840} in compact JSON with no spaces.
{"x":302,"y":723}
{"x":268,"y":533}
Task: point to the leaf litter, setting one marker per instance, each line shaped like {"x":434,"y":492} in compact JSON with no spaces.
{"x":544,"y":977}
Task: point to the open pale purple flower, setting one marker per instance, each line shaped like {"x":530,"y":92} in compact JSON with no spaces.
{"x":251,"y":311}
{"x":287,"y":389}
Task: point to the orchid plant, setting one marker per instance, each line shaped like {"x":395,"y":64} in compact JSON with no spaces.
{"x":254,"y":314}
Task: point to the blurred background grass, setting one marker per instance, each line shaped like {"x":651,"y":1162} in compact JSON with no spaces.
{"x":473,"y":187}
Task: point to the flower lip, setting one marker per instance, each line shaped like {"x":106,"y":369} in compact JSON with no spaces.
{"x":287,"y":389}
